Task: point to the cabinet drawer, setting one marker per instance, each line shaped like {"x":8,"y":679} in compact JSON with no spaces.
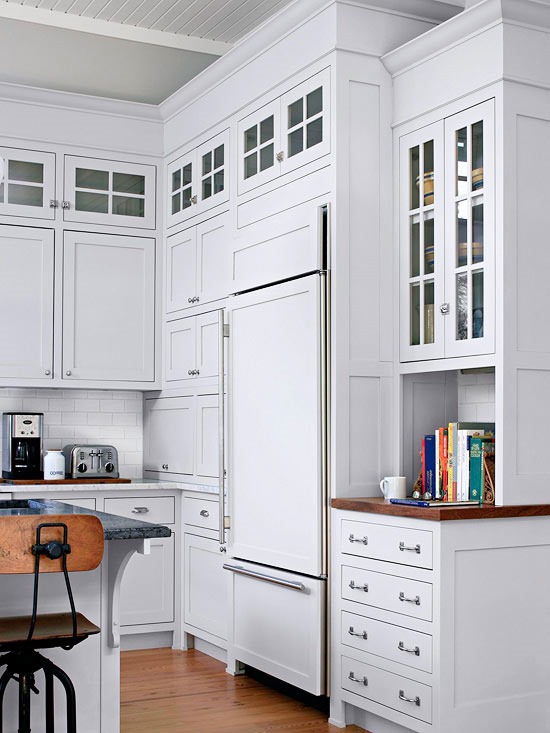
{"x":157,"y":509}
{"x":411,"y":648}
{"x":382,"y":542}
{"x":200,"y":512}
{"x":400,"y":693}
{"x":401,"y":595}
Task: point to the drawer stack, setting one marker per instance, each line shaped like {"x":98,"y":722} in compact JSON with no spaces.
{"x":386,"y":619}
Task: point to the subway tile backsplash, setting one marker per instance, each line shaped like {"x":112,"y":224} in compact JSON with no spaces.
{"x":85,"y":416}
{"x":476,"y":397}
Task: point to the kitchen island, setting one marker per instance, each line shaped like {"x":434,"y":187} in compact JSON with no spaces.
{"x":94,"y":666}
{"x":440,"y":617}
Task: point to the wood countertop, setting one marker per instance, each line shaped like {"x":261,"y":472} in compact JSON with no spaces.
{"x":375,"y":505}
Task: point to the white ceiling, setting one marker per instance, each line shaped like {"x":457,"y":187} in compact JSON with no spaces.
{"x":136,"y":50}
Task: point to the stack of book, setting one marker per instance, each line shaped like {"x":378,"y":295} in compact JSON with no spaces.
{"x":453,"y":461}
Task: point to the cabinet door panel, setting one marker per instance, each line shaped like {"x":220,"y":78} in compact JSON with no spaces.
{"x":257,"y":148}
{"x":109,"y":192}
{"x":211,"y":168}
{"x":182,"y":188}
{"x":26,"y":287}
{"x":27,"y":183}
{"x":169,"y":428}
{"x":207,"y":450}
{"x":147,"y":588}
{"x":213,"y":258}
{"x":108,"y":307}
{"x":206,"y":604}
{"x":181,"y":280}
{"x":208,"y":331}
{"x":180,"y":357}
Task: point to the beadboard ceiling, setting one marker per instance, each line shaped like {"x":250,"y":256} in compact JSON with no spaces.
{"x":136,"y":50}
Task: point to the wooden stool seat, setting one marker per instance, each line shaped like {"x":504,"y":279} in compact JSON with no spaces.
{"x":51,"y":630}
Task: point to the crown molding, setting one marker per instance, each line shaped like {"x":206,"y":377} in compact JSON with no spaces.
{"x":470,"y":22}
{"x":78,"y":102}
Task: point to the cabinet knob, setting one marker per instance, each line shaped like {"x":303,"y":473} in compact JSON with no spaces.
{"x":65,"y":204}
{"x":204,"y":513}
{"x":193,"y":199}
{"x":280,"y":156}
{"x":444,"y":308}
{"x":197,"y":372}
{"x":165,"y":466}
{"x":190,"y":372}
{"x":223,"y":548}
{"x":190,"y":300}
{"x":47,"y":372}
{"x":68,"y":373}
{"x":54,"y":203}
{"x":140,"y":510}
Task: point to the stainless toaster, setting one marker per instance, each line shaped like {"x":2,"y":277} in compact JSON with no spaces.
{"x":90,"y":461}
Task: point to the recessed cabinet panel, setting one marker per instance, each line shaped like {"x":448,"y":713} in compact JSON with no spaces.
{"x":26,"y":302}
{"x":180,"y":270}
{"x":205,"y":580}
{"x":198,"y":180}
{"x":27,"y":183}
{"x":109,"y":192}
{"x":179,"y":361}
{"x":169,"y":428}
{"x":207,"y":464}
{"x":108,"y":307}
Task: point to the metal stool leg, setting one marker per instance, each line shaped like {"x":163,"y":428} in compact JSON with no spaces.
{"x":26,"y":681}
{"x":50,"y":723}
{"x":65,"y":680}
{"x":6,"y":677}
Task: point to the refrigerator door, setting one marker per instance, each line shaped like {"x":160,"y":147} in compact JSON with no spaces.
{"x":276,"y":434}
{"x":278,"y":623}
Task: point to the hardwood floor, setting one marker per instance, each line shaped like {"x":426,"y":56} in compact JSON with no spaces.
{"x":166,"y":691}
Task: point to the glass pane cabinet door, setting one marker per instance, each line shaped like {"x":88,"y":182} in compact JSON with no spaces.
{"x":259,"y":147}
{"x":422,"y":255}
{"x":27,"y":183}
{"x":469,"y":143}
{"x":109,"y":192}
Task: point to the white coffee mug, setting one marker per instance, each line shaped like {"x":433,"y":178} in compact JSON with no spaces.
{"x":394,"y":487}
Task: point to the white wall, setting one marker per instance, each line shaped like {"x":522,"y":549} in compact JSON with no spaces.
{"x":86,"y":416}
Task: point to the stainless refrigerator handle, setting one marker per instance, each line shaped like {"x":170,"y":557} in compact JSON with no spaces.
{"x":239,"y":570}
{"x":221,"y":425}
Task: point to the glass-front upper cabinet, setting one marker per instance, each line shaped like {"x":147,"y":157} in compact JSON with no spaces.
{"x":109,"y":192}
{"x":198,"y":180}
{"x":27,"y":183}
{"x":447,"y":237}
{"x":285,"y":134}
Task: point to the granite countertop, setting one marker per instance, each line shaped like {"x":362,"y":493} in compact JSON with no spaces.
{"x":135,"y":484}
{"x":376,"y":505}
{"x":115,"y":527}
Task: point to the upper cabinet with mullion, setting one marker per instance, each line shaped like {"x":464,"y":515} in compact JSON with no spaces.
{"x":109,"y":192}
{"x":198,"y":180}
{"x":27,"y":183}
{"x":285,"y":134}
{"x":447,"y":237}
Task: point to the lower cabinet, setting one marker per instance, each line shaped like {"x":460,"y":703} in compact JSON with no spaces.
{"x":205,"y":604}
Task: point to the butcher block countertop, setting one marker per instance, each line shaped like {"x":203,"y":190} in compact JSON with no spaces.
{"x":375,"y":505}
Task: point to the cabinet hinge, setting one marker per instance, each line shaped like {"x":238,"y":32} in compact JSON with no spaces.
{"x":227,"y":522}
{"x":226,"y":330}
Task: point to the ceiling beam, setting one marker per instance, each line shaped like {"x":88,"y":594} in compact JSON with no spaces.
{"x":112,"y":30}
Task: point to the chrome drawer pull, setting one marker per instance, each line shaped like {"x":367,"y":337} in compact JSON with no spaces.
{"x":415,"y":700}
{"x":363,"y":540}
{"x":401,"y":646}
{"x":415,"y":600}
{"x":204,"y":513}
{"x":364,"y":587}
{"x":403,"y":547}
{"x":362,"y":634}
{"x":353,"y":678}
{"x":140,"y":510}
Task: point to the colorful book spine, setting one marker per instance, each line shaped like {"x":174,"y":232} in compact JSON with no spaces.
{"x":429,"y":460}
{"x":437,"y":474}
{"x":476,"y":469}
{"x":451,"y":458}
{"x":423,"y":462}
{"x":444,"y":468}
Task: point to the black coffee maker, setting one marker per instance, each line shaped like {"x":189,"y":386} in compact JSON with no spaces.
{"x":22,"y":445}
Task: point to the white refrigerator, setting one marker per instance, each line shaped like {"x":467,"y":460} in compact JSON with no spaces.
{"x":277,"y":479}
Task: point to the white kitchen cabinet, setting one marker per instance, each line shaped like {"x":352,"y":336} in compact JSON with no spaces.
{"x":447,"y":237}
{"x":26,"y":310}
{"x":108,"y":307}
{"x":109,"y":192}
{"x":197,"y":264}
{"x":168,"y":432}
{"x":27,"y":183}
{"x":205,"y":583}
{"x":198,"y":180}
{"x":191,"y":348}
{"x":284,"y":134}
